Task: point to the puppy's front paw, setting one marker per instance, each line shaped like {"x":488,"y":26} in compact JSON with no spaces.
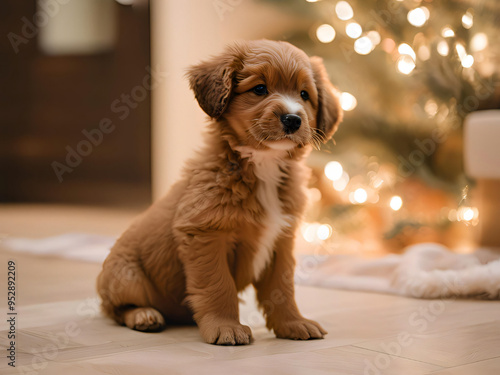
{"x":226,"y":333}
{"x":299,"y":329}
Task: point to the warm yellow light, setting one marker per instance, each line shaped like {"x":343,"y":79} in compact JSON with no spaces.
{"x":396,"y":203}
{"x":374,"y":36}
{"x":388,"y":45}
{"x":312,"y":1}
{"x":344,"y":10}
{"x":467,"y":20}
{"x":447,"y":32}
{"x":406,"y":64}
{"x":452,"y":215}
{"x":442,"y":48}
{"x":431,"y":108}
{"x":405,"y":49}
{"x":333,"y":170}
{"x":418,"y":16}
{"x":467,"y":61}
{"x":324,"y":232}
{"x":467,"y":214}
{"x":479,"y":42}
{"x":360,"y":195}
{"x":424,"y":53}
{"x":347,"y":101}
{"x":342,"y":182}
{"x":353,"y":30}
{"x":325,"y":33}
{"x":461,"y":51}
{"x":309,"y":232}
{"x":363,"y":45}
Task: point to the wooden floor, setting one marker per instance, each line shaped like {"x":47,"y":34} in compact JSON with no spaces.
{"x":60,"y":329}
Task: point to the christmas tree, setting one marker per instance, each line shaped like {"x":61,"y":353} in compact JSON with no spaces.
{"x":409,"y":72}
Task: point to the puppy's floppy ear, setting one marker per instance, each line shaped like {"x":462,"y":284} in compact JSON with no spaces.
{"x":329,"y":109}
{"x":212,"y":80}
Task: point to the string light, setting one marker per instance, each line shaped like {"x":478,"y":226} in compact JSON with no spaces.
{"x":447,"y":32}
{"x":344,"y":10}
{"x":479,"y":42}
{"x":405,"y":64}
{"x":442,"y":48}
{"x":342,"y":182}
{"x":405,"y":49}
{"x":467,"y":61}
{"x":325,"y":33}
{"x":388,"y":45}
{"x":418,"y":16}
{"x":333,"y":170}
{"x":461,"y":51}
{"x":324,"y":232}
{"x":452,"y":215}
{"x":309,"y":232}
{"x":316,"y":231}
{"x":467,"y":20}
{"x":359,"y":196}
{"x":396,"y":203}
{"x":374,"y":36}
{"x":347,"y":101}
{"x":363,"y":45}
{"x":424,"y":53}
{"x":431,"y":108}
{"x":353,"y":30}
{"x":467,"y":214}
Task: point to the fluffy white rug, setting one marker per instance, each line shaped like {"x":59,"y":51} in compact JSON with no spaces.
{"x":78,"y":246}
{"x":426,"y":270}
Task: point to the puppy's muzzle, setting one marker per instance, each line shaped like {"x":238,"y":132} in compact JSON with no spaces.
{"x":291,"y":123}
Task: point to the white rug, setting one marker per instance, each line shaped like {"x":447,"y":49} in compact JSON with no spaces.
{"x":77,"y":246}
{"x":426,"y":270}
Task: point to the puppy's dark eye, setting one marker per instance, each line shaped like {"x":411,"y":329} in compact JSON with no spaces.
{"x":260,"y":89}
{"x":304,"y":94}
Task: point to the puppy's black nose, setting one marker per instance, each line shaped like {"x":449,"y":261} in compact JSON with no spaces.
{"x":291,"y":123}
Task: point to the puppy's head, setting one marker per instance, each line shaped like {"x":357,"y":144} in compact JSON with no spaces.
{"x":270,"y":93}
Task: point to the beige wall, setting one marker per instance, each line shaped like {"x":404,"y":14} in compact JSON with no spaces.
{"x":184,"y":32}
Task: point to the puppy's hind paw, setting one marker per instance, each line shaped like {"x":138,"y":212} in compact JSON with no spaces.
{"x":145,"y":319}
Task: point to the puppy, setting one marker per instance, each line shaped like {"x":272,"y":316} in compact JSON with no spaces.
{"x":230,"y":220}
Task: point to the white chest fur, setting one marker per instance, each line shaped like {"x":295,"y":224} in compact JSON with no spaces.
{"x":268,"y":170}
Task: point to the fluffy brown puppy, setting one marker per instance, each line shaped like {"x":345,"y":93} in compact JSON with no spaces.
{"x":230,"y":220}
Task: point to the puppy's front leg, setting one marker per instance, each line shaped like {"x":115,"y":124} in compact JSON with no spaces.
{"x":276,"y":297}
{"x":211,"y":289}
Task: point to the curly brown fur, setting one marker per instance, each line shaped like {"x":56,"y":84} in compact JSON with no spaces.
{"x":230,"y":220}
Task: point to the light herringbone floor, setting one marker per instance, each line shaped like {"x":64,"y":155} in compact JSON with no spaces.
{"x":60,"y":329}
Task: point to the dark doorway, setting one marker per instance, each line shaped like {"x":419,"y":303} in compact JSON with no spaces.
{"x":75,"y":126}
